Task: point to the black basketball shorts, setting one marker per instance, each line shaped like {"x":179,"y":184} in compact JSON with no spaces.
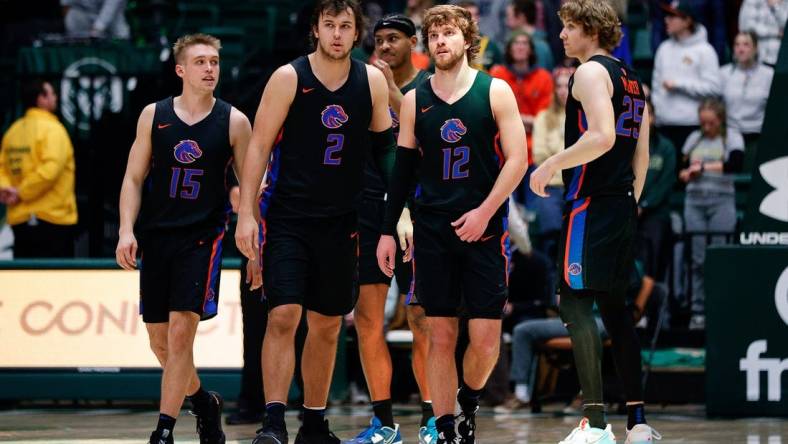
{"x":180,"y":271}
{"x":312,"y":262}
{"x":455,"y":277}
{"x":596,"y":248}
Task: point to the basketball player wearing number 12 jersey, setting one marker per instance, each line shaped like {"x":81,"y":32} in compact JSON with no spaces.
{"x":461,"y":131}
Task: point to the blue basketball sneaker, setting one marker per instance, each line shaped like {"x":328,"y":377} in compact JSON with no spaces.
{"x":428,"y":434}
{"x":376,"y":433}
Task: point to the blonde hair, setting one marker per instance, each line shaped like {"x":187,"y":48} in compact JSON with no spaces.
{"x":183,"y":42}
{"x":452,"y":15}
{"x":597,"y":18}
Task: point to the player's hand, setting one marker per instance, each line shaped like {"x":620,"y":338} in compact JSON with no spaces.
{"x":386,"y":254}
{"x":405,"y":234}
{"x":541,"y":177}
{"x":471,"y":225}
{"x":246,"y":236}
{"x":386,"y":69}
{"x":126,"y":252}
{"x":254,"y":274}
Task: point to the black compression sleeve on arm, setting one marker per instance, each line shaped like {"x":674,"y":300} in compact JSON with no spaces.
{"x":384,"y":150}
{"x":402,"y":177}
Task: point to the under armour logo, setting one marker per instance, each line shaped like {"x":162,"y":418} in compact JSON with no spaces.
{"x":775,"y":204}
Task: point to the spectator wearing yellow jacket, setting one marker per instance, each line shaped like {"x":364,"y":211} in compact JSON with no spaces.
{"x":37,"y":178}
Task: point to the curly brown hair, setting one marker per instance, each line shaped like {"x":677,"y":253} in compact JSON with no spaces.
{"x":597,"y":18}
{"x":452,"y":15}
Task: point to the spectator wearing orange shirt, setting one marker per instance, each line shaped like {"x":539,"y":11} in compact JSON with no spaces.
{"x":532,"y":86}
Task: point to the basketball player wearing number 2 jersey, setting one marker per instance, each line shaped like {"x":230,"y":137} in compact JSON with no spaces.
{"x":467,"y":128}
{"x":604,"y":168}
{"x":318,"y":118}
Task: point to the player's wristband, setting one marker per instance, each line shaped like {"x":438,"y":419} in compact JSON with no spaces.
{"x":402,"y":176}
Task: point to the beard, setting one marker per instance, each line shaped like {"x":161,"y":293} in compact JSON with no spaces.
{"x":328,"y":53}
{"x":451,"y":63}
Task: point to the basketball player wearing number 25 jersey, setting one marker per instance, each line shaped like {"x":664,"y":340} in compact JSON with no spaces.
{"x":604,"y":168}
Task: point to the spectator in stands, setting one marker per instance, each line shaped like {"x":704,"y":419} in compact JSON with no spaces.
{"x":548,"y":139}
{"x":622,"y":51}
{"x":532,"y":85}
{"x":653,"y":237}
{"x":520,"y":16}
{"x":415,"y":11}
{"x":745,"y":89}
{"x":686,"y":70}
{"x":489,"y":51}
{"x":491,"y":18}
{"x":532,"y":332}
{"x":530,"y":292}
{"x":711,"y":155}
{"x":37,"y":178}
{"x":709,"y":13}
{"x":765,"y":18}
{"x":96,"y":18}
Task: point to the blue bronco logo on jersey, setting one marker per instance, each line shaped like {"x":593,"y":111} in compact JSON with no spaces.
{"x":452,"y":130}
{"x":187,"y":151}
{"x":333,"y":116}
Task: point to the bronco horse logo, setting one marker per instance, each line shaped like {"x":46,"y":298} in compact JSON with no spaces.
{"x":333,"y":116}
{"x":187,"y":151}
{"x":452,"y":130}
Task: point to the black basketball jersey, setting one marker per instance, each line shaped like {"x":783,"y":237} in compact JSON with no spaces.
{"x":186,"y":185}
{"x":374,"y":188}
{"x":461,"y":153}
{"x":612,"y":172}
{"x":317,"y":164}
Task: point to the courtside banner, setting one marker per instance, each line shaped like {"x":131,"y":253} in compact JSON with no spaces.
{"x":89,"y":319}
{"x":747,"y":331}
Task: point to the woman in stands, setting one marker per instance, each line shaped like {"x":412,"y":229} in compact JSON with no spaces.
{"x":745,"y":89}
{"x":712,"y":155}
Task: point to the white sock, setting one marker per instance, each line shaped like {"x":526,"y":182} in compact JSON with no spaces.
{"x":521,"y":392}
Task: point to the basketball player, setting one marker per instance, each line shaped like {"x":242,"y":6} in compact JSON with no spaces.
{"x":395,"y":38}
{"x":604,"y":168}
{"x":322,"y":112}
{"x":473,"y":154}
{"x":183,"y":148}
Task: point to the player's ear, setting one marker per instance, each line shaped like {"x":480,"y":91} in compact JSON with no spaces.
{"x":179,"y":69}
{"x":414,"y":41}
